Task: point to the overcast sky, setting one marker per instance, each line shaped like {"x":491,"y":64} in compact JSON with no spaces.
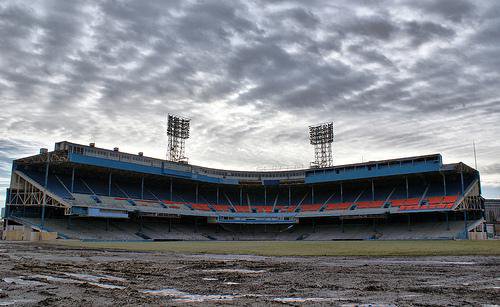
{"x":397,"y":78}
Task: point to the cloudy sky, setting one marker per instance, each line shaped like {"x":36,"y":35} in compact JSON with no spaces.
{"x":398,"y":78}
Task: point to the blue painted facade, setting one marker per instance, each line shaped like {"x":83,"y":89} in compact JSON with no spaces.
{"x":314,"y":176}
{"x":82,"y":159}
{"x":377,"y":170}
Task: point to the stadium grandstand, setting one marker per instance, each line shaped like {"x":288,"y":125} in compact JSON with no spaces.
{"x":85,"y":192}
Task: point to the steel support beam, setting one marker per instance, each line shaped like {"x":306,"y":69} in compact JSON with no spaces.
{"x":407,"y":190}
{"x":444,"y":183}
{"x":171,"y":190}
{"x":109,"y":183}
{"x":289,"y":195}
{"x":46,"y":183}
{"x":217,"y":197}
{"x":265,"y":196}
{"x":373,"y":190}
{"x":73,"y":180}
{"x":142,"y":187}
{"x":312,"y":194}
{"x":462,"y":182}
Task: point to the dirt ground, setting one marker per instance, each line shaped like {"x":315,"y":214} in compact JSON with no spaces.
{"x":47,"y":275}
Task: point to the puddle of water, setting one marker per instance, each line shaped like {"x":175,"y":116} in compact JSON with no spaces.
{"x":303,"y":299}
{"x":165,"y":292}
{"x":243,"y":271}
{"x":411,"y":295}
{"x":231,"y":283}
{"x":209,"y":278}
{"x":106,"y":286}
{"x":22,"y":282}
{"x":94,"y":278}
{"x":57,"y":279}
{"x":87,"y":279}
{"x":188,"y":298}
{"x":14,"y":302}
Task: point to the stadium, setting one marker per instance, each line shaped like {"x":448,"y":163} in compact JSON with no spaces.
{"x":90,"y":193}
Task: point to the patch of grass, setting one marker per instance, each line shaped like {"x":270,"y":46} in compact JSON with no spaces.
{"x":305,"y":248}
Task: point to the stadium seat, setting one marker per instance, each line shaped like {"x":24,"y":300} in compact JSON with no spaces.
{"x":369,"y":204}
{"x":221,"y":208}
{"x":338,"y":206}
{"x":201,"y":207}
{"x":313,"y":207}
{"x":242,"y":208}
{"x":450,"y":199}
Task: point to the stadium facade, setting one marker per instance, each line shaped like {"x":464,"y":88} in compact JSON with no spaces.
{"x":86,"y":192}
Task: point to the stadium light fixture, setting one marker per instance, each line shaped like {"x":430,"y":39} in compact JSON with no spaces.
{"x":321,"y":137}
{"x":178,"y":132}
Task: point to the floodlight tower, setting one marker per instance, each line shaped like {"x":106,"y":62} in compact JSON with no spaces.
{"x":321,"y":136}
{"x":178,"y":132}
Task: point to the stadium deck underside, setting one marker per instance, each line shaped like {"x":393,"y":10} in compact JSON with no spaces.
{"x":79,"y":184}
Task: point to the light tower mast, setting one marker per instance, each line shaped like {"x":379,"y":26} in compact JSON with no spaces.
{"x":321,"y":136}
{"x":178,"y":132}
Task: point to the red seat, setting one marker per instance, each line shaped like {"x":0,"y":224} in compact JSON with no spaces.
{"x":202,"y":207}
{"x":369,"y":204}
{"x":450,"y":199}
{"x":435,"y":199}
{"x":338,"y":206}
{"x":242,"y":208}
{"x":398,"y":202}
{"x":412,"y":201}
{"x":313,"y":207}
{"x":224,"y":208}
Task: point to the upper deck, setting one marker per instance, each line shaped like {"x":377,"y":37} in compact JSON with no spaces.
{"x":114,"y":159}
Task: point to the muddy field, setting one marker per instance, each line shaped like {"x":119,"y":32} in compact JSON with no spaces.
{"x":32,"y":274}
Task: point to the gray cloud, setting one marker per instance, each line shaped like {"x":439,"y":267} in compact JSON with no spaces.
{"x":397,"y":77}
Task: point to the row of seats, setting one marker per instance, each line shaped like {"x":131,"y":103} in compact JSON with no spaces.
{"x":437,"y":202}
